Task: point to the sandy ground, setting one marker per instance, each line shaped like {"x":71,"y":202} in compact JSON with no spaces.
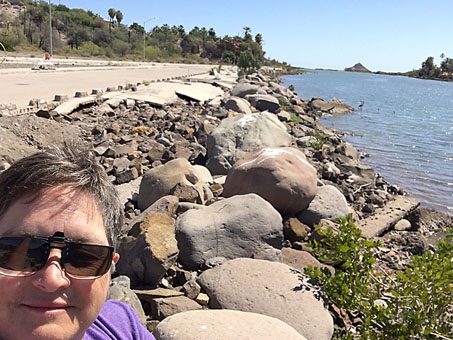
{"x":19,"y":85}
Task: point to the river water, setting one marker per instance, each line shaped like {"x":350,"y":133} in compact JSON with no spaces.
{"x":404,"y":124}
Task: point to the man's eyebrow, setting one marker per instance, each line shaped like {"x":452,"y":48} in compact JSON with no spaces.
{"x":14,"y":233}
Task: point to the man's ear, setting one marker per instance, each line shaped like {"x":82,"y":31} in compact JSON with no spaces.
{"x":116,"y":258}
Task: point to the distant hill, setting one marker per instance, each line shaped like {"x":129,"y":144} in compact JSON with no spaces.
{"x":357,"y":68}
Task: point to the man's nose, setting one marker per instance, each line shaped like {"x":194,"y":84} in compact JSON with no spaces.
{"x":52,"y":277}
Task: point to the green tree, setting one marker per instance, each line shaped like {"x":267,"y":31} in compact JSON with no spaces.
{"x":111,"y":12}
{"x":77,"y":35}
{"x":429,"y":69}
{"x":259,"y":38}
{"x":137,"y":28}
{"x":247,"y":63}
{"x":447,"y":65}
{"x":119,"y":17}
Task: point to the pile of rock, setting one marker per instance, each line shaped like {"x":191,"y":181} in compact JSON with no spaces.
{"x":222,"y":186}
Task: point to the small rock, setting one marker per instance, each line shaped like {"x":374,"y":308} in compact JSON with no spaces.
{"x":202,"y":299}
{"x":403,"y":225}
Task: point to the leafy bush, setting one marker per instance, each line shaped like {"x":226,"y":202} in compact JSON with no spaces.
{"x":295,"y":118}
{"x":153,"y":53}
{"x":90,"y":49}
{"x":120,"y":47}
{"x":247,"y":63}
{"x":414,"y":304}
{"x":317,"y":141}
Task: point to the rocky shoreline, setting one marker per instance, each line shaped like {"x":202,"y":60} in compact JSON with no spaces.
{"x":222,"y":181}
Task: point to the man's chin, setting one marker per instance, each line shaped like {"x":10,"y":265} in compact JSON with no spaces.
{"x":54,"y":329}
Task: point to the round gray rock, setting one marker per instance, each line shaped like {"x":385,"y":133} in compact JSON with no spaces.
{"x":242,"y":90}
{"x":329,"y":203}
{"x":235,"y":136}
{"x":223,"y":325}
{"x":264,"y":102}
{"x":238,"y":105}
{"x":240,"y":226}
{"x":272,"y":289}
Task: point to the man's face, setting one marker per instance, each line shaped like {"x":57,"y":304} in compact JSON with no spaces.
{"x":48,"y":304}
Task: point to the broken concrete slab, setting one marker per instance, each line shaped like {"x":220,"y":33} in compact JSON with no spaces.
{"x":72,"y":104}
{"x":385,"y":218}
{"x":199,"y":92}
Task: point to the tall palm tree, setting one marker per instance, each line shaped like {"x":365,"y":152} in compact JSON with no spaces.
{"x":112,"y":14}
{"x":247,"y":33}
{"x":119,"y":17}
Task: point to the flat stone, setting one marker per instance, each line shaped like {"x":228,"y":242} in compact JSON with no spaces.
{"x":150,"y":294}
{"x":385,"y":218}
{"x":165,"y":307}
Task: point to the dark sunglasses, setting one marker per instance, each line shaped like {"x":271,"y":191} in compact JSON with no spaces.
{"x":24,"y":256}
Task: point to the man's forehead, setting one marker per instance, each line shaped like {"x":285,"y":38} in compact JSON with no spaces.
{"x":64,"y":209}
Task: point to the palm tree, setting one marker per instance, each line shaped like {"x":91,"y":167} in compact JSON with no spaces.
{"x":247,"y":33}
{"x":119,"y":17}
{"x":112,"y":14}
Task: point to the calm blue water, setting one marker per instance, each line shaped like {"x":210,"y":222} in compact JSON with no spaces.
{"x":405,"y":124}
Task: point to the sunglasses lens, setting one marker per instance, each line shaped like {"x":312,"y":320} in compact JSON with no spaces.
{"x":87,"y":260}
{"x":21,"y":256}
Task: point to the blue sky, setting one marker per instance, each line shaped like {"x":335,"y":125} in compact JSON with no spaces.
{"x":387,"y":35}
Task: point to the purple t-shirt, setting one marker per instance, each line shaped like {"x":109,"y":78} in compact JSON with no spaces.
{"x":117,"y":321}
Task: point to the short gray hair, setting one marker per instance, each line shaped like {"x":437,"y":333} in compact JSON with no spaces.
{"x":73,"y":164}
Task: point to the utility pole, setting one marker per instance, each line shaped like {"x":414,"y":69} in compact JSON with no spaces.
{"x":50,"y":29}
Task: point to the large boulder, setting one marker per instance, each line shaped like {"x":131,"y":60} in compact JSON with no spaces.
{"x":237,"y":104}
{"x":242,"y":90}
{"x":172,"y":178}
{"x":146,"y":258}
{"x":240,"y":226}
{"x":235,"y":136}
{"x":335,"y":106}
{"x":329,"y":203}
{"x":264,"y":102}
{"x":225,"y":325}
{"x":282,"y":176}
{"x":272,"y":289}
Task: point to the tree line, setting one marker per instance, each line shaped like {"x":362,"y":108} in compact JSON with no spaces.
{"x":430,"y":70}
{"x":84,"y":33}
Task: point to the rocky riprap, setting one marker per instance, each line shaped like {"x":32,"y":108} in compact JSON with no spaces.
{"x":222,"y":181}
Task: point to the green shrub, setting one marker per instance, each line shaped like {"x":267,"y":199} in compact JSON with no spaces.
{"x":413,"y":304}
{"x":120,"y":47}
{"x":90,"y":49}
{"x":153,"y":53}
{"x":317,"y":141}
{"x":295,"y":118}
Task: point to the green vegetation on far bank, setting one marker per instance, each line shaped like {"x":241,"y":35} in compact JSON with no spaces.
{"x":429,"y":70}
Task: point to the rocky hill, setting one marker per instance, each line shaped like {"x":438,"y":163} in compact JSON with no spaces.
{"x":357,"y":68}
